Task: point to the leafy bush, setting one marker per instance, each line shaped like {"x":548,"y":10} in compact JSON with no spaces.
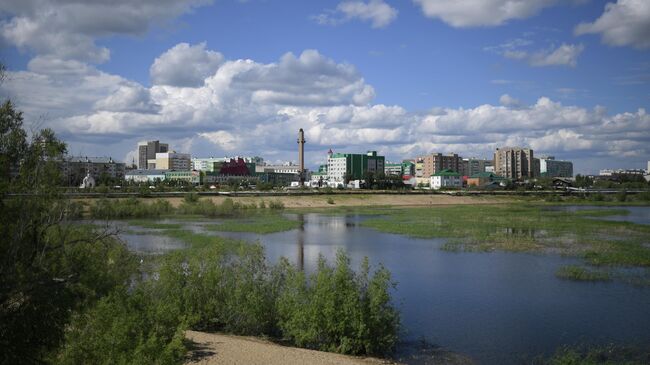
{"x":126,"y":328}
{"x":221,"y":292}
{"x":338,"y":310}
{"x":330,"y":201}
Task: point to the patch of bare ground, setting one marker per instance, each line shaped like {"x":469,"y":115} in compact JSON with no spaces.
{"x":358,"y":200}
{"x":219,"y":349}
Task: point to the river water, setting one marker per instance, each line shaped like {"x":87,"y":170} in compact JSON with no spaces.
{"x":496,"y":308}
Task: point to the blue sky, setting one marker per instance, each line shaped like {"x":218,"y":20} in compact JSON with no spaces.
{"x":405,"y":78}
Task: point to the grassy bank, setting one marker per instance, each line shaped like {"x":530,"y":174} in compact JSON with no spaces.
{"x":527,"y":228}
{"x":261,"y":224}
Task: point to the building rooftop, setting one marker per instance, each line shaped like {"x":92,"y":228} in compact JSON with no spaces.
{"x":484,"y":174}
{"x":89,"y":159}
{"x":446,"y":172}
{"x":146,"y":172}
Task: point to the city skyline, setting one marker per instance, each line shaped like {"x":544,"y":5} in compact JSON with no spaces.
{"x":566,"y":78}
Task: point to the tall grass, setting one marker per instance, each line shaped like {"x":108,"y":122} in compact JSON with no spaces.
{"x":129,"y":208}
{"x":191,"y":205}
{"x":520,"y":227}
{"x":261,"y":224}
{"x":579,"y":273}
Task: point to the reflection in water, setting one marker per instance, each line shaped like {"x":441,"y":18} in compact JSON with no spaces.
{"x":301,"y":242}
{"x":495,"y":307}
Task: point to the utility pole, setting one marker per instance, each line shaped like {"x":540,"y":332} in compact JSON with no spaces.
{"x":301,"y":156}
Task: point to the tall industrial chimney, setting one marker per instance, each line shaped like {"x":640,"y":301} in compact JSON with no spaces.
{"x":301,"y":155}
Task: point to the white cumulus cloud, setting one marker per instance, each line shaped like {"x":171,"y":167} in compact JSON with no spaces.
{"x":185,"y":65}
{"x":481,"y":12}
{"x":624,"y":23}
{"x":377,"y":12}
{"x":67,"y":29}
{"x":251,"y":108}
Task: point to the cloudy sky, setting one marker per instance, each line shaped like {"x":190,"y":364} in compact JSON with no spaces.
{"x":569,"y":78}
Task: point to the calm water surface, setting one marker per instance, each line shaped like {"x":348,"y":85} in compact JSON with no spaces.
{"x":498,"y":308}
{"x":638,"y":215}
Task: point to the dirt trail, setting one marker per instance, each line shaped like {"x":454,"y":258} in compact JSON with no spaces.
{"x":218,"y":349}
{"x":355,"y":200}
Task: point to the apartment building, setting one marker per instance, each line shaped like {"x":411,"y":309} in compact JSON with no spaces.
{"x":436,"y":162}
{"x":472,"y":166}
{"x":147,"y":153}
{"x":515,"y":163}
{"x":353,"y":166}
{"x":551,"y":167}
{"x":173,"y":161}
{"x":75,"y":168}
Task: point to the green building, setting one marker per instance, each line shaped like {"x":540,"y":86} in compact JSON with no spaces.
{"x":352,"y":166}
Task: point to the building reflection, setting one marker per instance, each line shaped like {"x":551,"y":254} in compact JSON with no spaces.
{"x":301,"y":242}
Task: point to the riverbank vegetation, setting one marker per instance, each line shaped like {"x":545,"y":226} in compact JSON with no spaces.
{"x":217,"y":289}
{"x":261,"y":224}
{"x":105,"y":208}
{"x":574,"y":272}
{"x":526,"y":228}
{"x":71,"y":293}
{"x":598,"y":355}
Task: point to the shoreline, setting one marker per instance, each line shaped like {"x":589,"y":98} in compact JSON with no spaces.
{"x":221,"y":349}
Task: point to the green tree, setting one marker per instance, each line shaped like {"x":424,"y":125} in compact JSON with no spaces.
{"x":49,"y":267}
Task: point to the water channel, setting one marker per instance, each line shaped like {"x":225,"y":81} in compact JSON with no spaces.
{"x":497,"y":307}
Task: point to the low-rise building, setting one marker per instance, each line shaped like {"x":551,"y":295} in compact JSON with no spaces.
{"x":613,"y":172}
{"x":393,"y":168}
{"x":446,"y":179}
{"x":190,"y":177}
{"x":75,"y":168}
{"x":209,"y":164}
{"x":145,"y":176}
{"x":288,"y":168}
{"x":483,"y":178}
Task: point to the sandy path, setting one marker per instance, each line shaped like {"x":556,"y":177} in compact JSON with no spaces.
{"x":340,"y":200}
{"x":218,"y":349}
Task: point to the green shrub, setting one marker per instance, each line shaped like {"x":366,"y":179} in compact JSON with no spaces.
{"x":262,"y":205}
{"x":330,"y":201}
{"x":126,"y":328}
{"x":337,"y":310}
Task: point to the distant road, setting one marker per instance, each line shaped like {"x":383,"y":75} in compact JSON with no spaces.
{"x":158,"y":194}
